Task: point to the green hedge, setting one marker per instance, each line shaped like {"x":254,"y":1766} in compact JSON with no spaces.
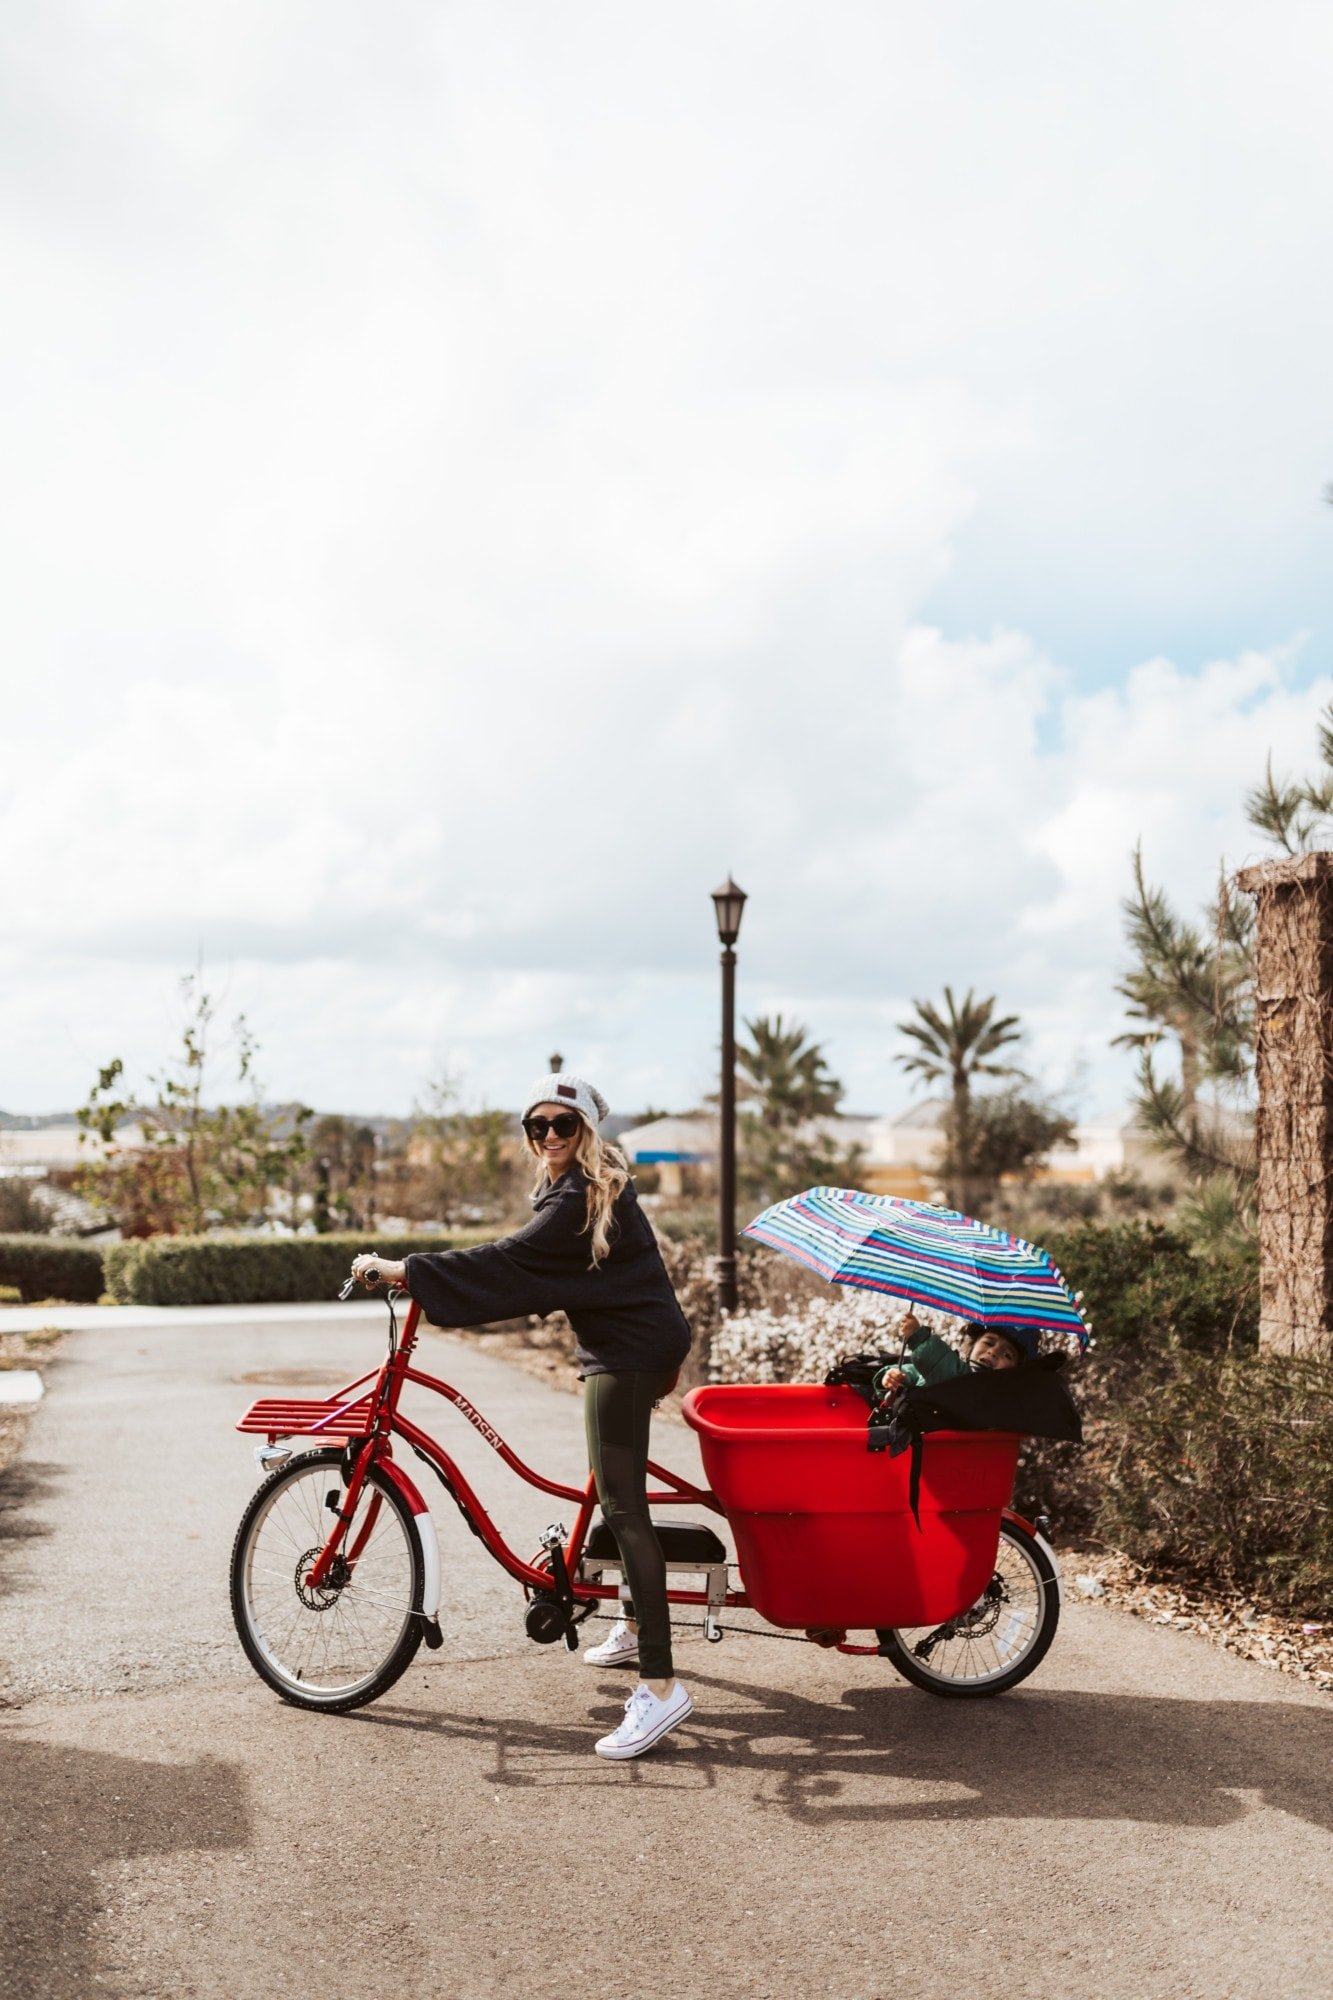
{"x":247,"y":1270}
{"x":51,"y":1267}
{"x":1146,"y":1286}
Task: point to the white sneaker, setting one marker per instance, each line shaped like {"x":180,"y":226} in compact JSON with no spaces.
{"x":647,"y":1721}
{"x":618,"y":1647}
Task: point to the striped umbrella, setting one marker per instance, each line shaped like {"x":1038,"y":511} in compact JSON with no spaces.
{"x":934,"y":1257}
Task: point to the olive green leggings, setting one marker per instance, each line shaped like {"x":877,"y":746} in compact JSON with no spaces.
{"x":617,"y":1410}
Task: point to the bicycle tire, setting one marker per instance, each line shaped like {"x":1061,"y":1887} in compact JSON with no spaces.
{"x":962,"y":1672}
{"x":401,"y":1646}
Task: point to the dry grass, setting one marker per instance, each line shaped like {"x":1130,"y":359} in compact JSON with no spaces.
{"x":1300,"y":1647}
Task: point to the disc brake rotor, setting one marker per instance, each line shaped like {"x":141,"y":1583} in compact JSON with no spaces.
{"x":323,"y":1595}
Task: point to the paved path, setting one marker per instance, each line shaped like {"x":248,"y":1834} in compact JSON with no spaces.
{"x":116,"y":1525}
{"x":1146,"y":1817}
{"x":26,"y":1319}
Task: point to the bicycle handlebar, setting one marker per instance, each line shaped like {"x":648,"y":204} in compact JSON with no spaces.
{"x":372,"y":1278}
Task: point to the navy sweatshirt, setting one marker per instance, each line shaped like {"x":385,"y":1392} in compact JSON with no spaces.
{"x":623,"y":1311}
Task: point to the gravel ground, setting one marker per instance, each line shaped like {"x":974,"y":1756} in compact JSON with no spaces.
{"x":1300,"y":1647}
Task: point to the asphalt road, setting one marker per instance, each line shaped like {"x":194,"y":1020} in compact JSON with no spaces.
{"x":1146,"y":1817}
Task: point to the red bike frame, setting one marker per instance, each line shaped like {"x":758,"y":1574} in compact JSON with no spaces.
{"x":368,"y":1422}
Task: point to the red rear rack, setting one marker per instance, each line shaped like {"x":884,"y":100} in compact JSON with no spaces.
{"x":289,"y":1416}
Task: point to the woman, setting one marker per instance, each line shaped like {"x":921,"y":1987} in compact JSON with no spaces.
{"x":589,"y":1252}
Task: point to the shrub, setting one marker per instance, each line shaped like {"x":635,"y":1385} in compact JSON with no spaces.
{"x":764,"y":1282}
{"x":693,"y":1223}
{"x":1146,"y":1284}
{"x":51,"y":1267}
{"x":1212,"y":1467}
{"x":22,"y":1210}
{"x":1223,"y":1467}
{"x":246,"y":1270}
{"x":802,"y":1340}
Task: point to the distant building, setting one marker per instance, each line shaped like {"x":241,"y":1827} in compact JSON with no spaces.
{"x":1119,"y":1143}
{"x":903,"y":1154}
{"x":897,"y":1154}
{"x":1110,"y":1142}
{"x":46,"y":1149}
{"x":671,"y":1145}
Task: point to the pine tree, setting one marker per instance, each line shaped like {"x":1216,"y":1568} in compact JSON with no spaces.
{"x":1196,"y":985}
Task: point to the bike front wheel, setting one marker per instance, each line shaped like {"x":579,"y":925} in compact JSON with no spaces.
{"x":997,"y":1641}
{"x":345,"y":1642}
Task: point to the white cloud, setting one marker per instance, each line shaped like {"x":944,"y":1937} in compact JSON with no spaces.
{"x":473,"y":477}
{"x":971,"y":822}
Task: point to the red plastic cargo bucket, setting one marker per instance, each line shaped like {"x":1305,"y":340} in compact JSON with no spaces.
{"x":824,"y":1528}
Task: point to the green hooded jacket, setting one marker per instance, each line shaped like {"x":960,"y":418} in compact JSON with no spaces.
{"x":931,"y":1360}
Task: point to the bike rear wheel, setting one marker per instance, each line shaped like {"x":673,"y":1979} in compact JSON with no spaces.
{"x":997,"y":1641}
{"x":343,"y":1644}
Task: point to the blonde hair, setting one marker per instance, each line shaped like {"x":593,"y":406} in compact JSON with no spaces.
{"x":608,"y":1175}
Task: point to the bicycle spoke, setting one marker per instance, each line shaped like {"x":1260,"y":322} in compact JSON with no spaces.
{"x":989,"y":1640}
{"x":337,"y":1636}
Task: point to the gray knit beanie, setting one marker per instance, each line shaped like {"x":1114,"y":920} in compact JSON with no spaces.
{"x":571,"y":1091}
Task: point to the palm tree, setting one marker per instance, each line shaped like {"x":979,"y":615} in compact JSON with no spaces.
{"x":784,"y":1073}
{"x":955,"y":1044}
{"x":787,"y":1084}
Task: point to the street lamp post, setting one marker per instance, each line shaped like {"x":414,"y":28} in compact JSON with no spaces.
{"x":729,"y":902}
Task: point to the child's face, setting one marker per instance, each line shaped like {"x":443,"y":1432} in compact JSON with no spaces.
{"x":992,"y":1350}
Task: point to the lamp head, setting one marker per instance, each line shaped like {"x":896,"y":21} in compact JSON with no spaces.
{"x":729,"y":902}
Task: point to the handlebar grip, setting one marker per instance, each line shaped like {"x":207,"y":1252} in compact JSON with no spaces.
{"x":371,"y":1276}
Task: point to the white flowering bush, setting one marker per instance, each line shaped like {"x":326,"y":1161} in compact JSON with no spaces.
{"x":801,"y":1340}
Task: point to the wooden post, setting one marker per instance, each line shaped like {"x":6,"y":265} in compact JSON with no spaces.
{"x":1294,"y":1072}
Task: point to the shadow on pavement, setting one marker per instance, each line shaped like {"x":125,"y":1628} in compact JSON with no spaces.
{"x":24,"y":1487}
{"x":70,"y":1811}
{"x":1058,"y":1756}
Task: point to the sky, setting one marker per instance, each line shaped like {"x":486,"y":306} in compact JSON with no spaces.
{"x":474,"y":475}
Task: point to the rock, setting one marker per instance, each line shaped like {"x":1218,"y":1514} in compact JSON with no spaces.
{"x":1088,"y":1585}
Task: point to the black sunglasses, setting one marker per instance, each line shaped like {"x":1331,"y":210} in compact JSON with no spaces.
{"x":565,"y":1124}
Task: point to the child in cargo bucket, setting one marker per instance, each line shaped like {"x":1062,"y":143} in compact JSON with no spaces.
{"x":929,"y":1359}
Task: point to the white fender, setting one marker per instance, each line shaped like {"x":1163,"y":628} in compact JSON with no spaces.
{"x":1051,"y":1558}
{"x":430,"y":1564}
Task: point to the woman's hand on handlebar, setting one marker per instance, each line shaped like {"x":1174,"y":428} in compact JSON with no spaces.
{"x":372,"y":1271}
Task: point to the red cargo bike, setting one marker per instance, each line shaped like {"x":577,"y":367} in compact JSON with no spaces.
{"x":336,"y":1579}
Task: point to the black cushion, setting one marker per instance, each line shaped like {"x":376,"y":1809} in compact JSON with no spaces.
{"x":682,"y":1542}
